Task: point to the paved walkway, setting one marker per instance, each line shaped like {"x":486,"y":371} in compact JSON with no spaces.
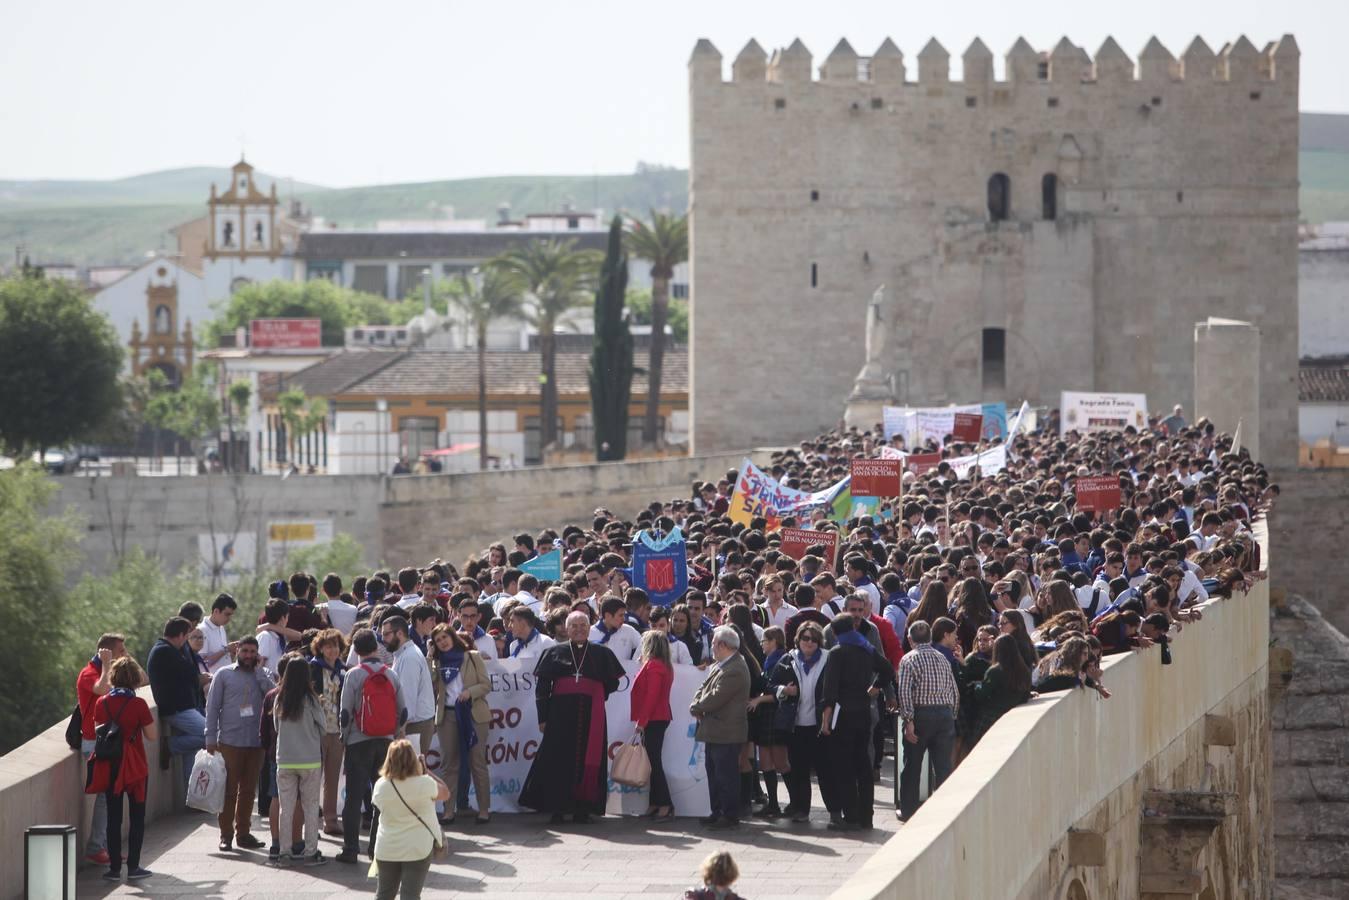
{"x":523,"y":856}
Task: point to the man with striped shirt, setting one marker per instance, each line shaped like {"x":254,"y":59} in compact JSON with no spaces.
{"x":927,"y":699}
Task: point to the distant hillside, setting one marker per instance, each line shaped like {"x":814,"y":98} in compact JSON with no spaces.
{"x":172,"y":186}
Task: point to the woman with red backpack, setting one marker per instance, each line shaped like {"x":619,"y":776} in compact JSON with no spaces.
{"x":118,"y":767}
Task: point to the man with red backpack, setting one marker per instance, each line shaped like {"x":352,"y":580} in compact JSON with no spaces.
{"x":373,"y":714}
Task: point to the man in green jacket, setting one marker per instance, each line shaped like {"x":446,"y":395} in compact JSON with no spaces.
{"x":719,"y":705}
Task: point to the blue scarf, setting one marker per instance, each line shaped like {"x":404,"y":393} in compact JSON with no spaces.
{"x":809,"y":662}
{"x":771,"y":661}
{"x":98,"y":663}
{"x":520,"y":645}
{"x":451,"y":661}
{"x":853,"y":639}
{"x":606,"y":632}
{"x":121,"y":692}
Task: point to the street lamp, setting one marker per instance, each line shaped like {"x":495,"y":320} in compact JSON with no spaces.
{"x":49,"y":862}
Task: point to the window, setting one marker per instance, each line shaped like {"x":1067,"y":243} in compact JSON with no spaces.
{"x":370,"y":280}
{"x":999,"y":197}
{"x":1053,"y":102}
{"x":1255,"y":95}
{"x":971,"y":102}
{"x":1156,"y":101}
{"x":417,"y":435}
{"x":814,"y":275}
{"x":814,"y":196}
{"x":995,"y":358}
{"x":410,"y":280}
{"x":679,"y":291}
{"x":1049,"y":196}
{"x":877,"y":103}
{"x":780,"y":103}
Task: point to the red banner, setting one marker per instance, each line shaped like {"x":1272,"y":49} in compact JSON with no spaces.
{"x":922,"y":463}
{"x":875,"y":477}
{"x":1099,"y":492}
{"x":796,"y":541}
{"x":967,"y":427}
{"x":285,"y":334}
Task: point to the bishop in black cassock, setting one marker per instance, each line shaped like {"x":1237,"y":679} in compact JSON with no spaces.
{"x":570,"y":772}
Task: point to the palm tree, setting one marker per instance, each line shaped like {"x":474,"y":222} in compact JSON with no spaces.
{"x":492,"y":295}
{"x":557,"y":277}
{"x":665,"y":244}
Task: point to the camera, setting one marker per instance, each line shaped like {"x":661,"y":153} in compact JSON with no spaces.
{"x":1164,"y":641}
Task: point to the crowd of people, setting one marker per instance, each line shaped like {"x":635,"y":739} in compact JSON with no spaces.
{"x":944,"y":609}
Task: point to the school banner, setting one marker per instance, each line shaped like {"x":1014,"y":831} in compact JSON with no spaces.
{"x":888,"y":452}
{"x":967,"y":427}
{"x":513,"y":740}
{"x":796,"y":541}
{"x":660,"y":566}
{"x":1090,"y":413}
{"x":1098,"y":492}
{"x":875,"y":477}
{"x":759,"y":494}
{"x":545,"y":568}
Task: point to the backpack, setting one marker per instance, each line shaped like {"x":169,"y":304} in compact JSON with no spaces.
{"x":377,"y":716}
{"x":1095,"y":602}
{"x":108,"y":737}
{"x":75,"y":730}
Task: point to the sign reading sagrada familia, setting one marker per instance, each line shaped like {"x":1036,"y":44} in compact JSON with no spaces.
{"x":1063,"y":229}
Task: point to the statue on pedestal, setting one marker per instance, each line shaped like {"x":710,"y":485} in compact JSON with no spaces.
{"x":873,"y":388}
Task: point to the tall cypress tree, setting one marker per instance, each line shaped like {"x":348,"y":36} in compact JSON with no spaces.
{"x":611,"y":359}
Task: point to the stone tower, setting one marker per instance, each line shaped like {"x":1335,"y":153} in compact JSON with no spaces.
{"x":1063,"y":228}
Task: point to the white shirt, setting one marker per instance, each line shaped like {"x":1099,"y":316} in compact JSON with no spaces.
{"x":485,"y":645}
{"x":409,"y":664}
{"x":780,"y":617}
{"x":525,"y":598}
{"x":1189,"y":582}
{"x":216,"y":639}
{"x":1086,"y":592}
{"x":679,"y":653}
{"x":271,"y":647}
{"x":407,"y":601}
{"x":341,"y":615}
{"x":625,"y":642}
{"x":827,"y":611}
{"x":531,"y":650}
{"x":805,"y":683}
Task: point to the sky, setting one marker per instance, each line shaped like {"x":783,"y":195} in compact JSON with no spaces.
{"x":348,"y":93}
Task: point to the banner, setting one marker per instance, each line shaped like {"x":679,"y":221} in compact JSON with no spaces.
{"x":660,"y":566}
{"x":759,"y":494}
{"x":888,"y":452}
{"x":284,"y":538}
{"x":796,"y":541}
{"x":875,"y":477}
{"x":920,"y":424}
{"x":1018,"y":421}
{"x":990,"y":462}
{"x":922,"y":463}
{"x":227,"y":555}
{"x":545,"y":568}
{"x":513,"y":739}
{"x":968,"y":427}
{"x":1091,"y":413}
{"x":1099,"y":493}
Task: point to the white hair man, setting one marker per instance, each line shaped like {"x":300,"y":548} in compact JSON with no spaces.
{"x":719,"y":705}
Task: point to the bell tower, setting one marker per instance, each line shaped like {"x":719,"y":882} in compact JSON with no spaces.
{"x":242,"y":219}
{"x":168,"y":345}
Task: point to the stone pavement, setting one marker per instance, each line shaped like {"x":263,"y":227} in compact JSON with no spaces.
{"x":523,"y":856}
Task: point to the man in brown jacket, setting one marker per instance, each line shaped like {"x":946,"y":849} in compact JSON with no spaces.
{"x":719,"y":705}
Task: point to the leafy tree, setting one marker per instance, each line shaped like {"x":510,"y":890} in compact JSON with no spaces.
{"x":301,"y":414}
{"x":343,"y":555}
{"x":443,"y":292}
{"x":238,"y":394}
{"x":496,"y":295}
{"x":36,"y":555}
{"x":318,"y":298}
{"x":639,"y":307}
{"x":665,"y":244}
{"x":556,"y":276}
{"x":191,"y":411}
{"x":611,"y":358}
{"x":59,"y":361}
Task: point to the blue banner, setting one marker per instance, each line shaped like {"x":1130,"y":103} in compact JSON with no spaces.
{"x":660,"y":567}
{"x":545,"y":568}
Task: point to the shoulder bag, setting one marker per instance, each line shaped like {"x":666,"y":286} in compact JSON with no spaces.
{"x":439,"y":848}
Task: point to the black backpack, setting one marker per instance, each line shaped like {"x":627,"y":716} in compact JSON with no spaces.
{"x":108,"y":737}
{"x":75,"y":729}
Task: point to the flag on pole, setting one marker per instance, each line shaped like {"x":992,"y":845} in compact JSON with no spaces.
{"x":545,"y":568}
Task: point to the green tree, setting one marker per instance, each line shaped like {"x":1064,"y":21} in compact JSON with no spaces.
{"x":665,"y":244}
{"x":301,"y":414}
{"x":59,"y":361}
{"x":611,"y":358}
{"x":495,"y":294}
{"x":37,"y":554}
{"x":237,"y":397}
{"x":338,"y":308}
{"x":556,"y":276}
{"x":343,"y":555}
{"x":639,"y":306}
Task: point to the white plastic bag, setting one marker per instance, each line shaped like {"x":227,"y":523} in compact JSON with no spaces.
{"x":206,"y":786}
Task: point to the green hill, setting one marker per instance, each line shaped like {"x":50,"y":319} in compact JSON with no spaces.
{"x":95,"y":222}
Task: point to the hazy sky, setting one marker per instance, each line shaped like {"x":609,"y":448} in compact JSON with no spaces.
{"x":346,"y":93}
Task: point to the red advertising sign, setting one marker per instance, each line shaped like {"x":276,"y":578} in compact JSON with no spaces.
{"x":285,"y":334}
{"x":796,"y":541}
{"x":922,"y":463}
{"x":876,"y":477}
{"x":967,"y":427}
{"x":1099,"y":492}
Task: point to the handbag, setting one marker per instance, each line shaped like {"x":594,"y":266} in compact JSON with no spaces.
{"x":784,"y":716}
{"x":632,"y":767}
{"x":440,"y":849}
